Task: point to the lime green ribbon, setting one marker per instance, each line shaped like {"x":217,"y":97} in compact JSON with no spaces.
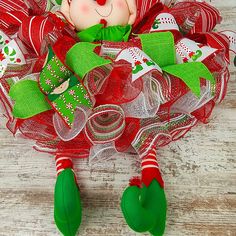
{"x":161,"y":48}
{"x":111,"y":33}
{"x":57,"y":82}
{"x":81,"y":58}
{"x":29,"y":100}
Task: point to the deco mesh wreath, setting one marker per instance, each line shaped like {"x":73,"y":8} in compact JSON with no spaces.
{"x":83,"y":77}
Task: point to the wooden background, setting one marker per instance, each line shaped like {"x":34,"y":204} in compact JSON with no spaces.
{"x":199,"y":171}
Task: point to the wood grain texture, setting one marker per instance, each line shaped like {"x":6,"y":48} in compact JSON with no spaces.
{"x":199,"y":172}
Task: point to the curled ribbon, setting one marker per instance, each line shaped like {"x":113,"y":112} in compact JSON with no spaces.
{"x":105,"y":124}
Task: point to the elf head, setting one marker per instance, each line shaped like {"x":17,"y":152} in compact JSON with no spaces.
{"x":86,"y":13}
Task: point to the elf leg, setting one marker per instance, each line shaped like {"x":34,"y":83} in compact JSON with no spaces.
{"x":144,"y":203}
{"x":67,"y":204}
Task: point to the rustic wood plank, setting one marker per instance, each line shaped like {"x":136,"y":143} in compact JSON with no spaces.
{"x":199,"y":171}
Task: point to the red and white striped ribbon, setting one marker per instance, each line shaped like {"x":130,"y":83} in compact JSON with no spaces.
{"x":12,"y":14}
{"x":143,"y":6}
{"x":33,"y":31}
{"x":13,"y":5}
{"x":209,"y":17}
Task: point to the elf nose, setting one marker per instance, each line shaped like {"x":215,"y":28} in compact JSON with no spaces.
{"x":101,"y":2}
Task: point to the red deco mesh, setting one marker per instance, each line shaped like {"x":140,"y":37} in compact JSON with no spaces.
{"x":113,"y":87}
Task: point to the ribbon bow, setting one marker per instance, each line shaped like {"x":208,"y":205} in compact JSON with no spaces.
{"x":64,"y":92}
{"x":58,"y":88}
{"x":160,"y":48}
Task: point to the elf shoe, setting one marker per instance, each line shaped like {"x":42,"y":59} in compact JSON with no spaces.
{"x":144,"y":204}
{"x":67,"y":203}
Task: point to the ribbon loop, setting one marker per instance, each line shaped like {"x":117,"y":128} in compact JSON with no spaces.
{"x":191,"y":73}
{"x":29,"y":100}
{"x":160,"y":47}
{"x":81,"y":58}
{"x":11,"y":55}
{"x":105,"y":124}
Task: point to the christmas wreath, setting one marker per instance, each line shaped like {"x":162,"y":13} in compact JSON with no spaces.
{"x":82,"y":78}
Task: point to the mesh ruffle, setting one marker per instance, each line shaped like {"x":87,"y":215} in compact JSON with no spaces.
{"x":128,"y":115}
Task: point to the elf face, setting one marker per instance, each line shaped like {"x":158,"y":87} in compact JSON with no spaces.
{"x":86,"y":13}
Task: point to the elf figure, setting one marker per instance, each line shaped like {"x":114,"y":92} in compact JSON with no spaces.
{"x":110,"y":74}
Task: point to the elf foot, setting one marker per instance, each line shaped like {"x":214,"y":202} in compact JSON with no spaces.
{"x":67,"y":204}
{"x":144,"y":208}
